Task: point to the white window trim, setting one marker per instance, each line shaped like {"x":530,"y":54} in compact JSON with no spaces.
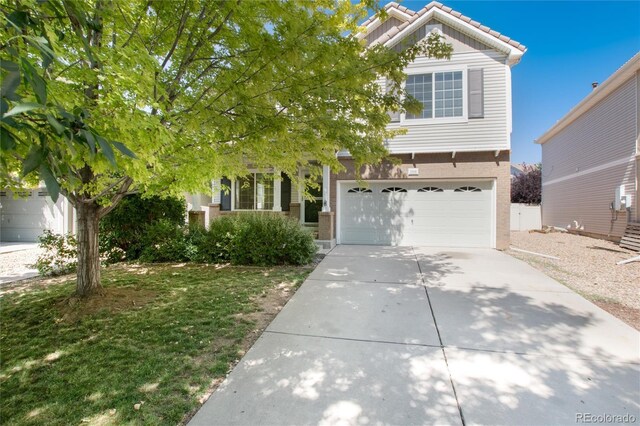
{"x":233,"y":192}
{"x":404,"y":121}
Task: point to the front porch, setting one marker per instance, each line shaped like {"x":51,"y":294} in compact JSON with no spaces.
{"x":269,"y":193}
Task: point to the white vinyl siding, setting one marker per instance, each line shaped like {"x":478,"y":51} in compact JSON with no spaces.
{"x":586,"y":161}
{"x":605,"y":133}
{"x":484,"y":134}
{"x":583,"y":203}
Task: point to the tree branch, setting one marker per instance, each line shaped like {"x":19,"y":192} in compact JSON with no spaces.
{"x":183,"y":20}
{"x":134,"y":31}
{"x":122,"y":191}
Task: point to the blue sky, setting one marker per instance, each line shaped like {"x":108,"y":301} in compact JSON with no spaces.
{"x":570,"y":45}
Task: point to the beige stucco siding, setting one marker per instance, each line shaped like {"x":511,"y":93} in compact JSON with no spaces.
{"x":587,"y":160}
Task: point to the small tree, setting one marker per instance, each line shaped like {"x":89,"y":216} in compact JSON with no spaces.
{"x":527,"y":186}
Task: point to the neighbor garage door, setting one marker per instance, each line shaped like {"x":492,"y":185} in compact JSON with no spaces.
{"x":429,"y":213}
{"x":25,"y":218}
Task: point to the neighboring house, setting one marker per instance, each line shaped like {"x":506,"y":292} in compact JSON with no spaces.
{"x":590,"y":159}
{"x":24,"y":217}
{"x":452,"y":187}
{"x":517,"y":170}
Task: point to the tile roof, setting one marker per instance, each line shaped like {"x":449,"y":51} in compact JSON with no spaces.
{"x":390,"y":5}
{"x":434,"y":4}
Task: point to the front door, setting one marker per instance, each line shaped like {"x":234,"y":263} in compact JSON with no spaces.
{"x":313,"y":207}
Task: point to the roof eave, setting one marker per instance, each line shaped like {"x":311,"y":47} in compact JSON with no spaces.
{"x":393,"y":10}
{"x":611,"y":84}
{"x":513,"y":52}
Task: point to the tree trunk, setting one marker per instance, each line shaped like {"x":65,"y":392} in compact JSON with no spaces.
{"x":88,"y":251}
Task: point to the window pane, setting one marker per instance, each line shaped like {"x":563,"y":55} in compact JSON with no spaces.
{"x":451,"y":91}
{"x":264,"y":192}
{"x":244,"y":193}
{"x":421,"y":87}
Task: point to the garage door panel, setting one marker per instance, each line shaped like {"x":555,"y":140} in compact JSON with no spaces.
{"x":24,"y":219}
{"x":451,"y":218}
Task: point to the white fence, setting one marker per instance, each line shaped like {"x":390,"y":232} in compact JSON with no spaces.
{"x":525,"y":217}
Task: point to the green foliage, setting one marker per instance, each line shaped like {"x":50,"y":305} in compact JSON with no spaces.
{"x":163,"y":241}
{"x":103,"y":98}
{"x":60,"y":253}
{"x":214,"y":245}
{"x":106,"y":97}
{"x":123,"y":230}
{"x":246,"y":239}
{"x":265,"y":239}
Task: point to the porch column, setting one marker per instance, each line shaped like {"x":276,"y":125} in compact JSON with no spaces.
{"x":326,"y":218}
{"x":277,"y":193}
{"x":326,"y":174}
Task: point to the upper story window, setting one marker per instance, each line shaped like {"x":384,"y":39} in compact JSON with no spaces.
{"x":441,"y":94}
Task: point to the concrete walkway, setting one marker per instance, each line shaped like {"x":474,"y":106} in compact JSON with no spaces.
{"x":17,"y":261}
{"x":383,"y":335}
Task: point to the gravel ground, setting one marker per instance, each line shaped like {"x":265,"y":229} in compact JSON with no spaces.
{"x":17,"y":265}
{"x":588,"y":266}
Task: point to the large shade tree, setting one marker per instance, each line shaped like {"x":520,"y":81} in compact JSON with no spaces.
{"x":103,"y":98}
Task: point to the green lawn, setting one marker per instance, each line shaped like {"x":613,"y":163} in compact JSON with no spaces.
{"x":167,"y":332}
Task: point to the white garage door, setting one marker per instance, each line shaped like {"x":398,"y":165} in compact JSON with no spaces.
{"x":24,"y":219}
{"x":443,"y":214}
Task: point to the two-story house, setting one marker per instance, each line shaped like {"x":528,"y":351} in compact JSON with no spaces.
{"x":451,"y":186}
{"x":591,"y":160}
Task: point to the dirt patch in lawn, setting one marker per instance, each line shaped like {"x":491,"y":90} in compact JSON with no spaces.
{"x":588,"y":266}
{"x":110,"y":299}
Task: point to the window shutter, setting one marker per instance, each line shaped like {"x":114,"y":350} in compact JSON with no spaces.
{"x":394,"y":115}
{"x":476,"y":93}
{"x":285,"y":192}
{"x":225,"y":197}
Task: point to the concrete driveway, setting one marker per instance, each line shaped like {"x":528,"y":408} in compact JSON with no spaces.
{"x":389,"y":335}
